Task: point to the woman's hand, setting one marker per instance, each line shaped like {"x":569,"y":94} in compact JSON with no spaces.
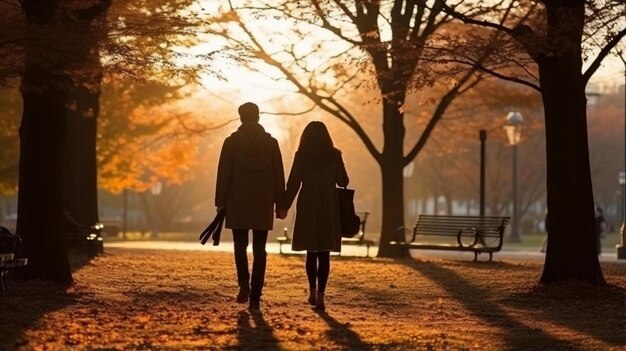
{"x":281,"y":214}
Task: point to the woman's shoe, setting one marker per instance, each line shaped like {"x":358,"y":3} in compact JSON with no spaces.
{"x":312,"y":298}
{"x":319,"y":301}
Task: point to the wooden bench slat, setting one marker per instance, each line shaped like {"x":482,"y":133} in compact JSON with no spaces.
{"x":476,"y":234}
{"x":8,"y":260}
{"x":456,"y":233}
{"x":358,"y":239}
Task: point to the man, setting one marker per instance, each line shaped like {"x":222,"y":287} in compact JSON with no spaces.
{"x":250,"y":181}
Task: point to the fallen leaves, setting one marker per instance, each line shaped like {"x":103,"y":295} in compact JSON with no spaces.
{"x":148,"y":300}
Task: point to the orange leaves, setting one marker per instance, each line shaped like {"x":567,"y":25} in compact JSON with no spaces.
{"x":10,"y":109}
{"x":143,"y":139}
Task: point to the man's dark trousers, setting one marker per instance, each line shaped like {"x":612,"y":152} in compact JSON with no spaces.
{"x":259,"y":239}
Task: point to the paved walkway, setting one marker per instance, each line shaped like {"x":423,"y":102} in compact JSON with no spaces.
{"x":347,"y":250}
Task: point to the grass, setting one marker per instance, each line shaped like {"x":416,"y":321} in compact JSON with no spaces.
{"x":183,"y":300}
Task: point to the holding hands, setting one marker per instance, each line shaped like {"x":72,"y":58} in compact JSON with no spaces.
{"x":281,"y":214}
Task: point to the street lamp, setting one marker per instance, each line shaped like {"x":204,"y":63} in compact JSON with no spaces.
{"x":155,"y":190}
{"x":621,"y":249}
{"x":513,"y":128}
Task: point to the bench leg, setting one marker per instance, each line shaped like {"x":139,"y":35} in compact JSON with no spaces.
{"x":280,"y":248}
{"x":475,"y":256}
{"x":490,"y":256}
{"x":368,"y":250}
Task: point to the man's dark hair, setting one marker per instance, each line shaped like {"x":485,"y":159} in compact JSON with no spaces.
{"x":249,"y":112}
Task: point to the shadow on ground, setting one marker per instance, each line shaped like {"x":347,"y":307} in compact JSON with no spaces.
{"x":341,"y":334}
{"x":577,"y":305}
{"x":254,"y":333}
{"x":516,"y":335}
{"x":33,"y":300}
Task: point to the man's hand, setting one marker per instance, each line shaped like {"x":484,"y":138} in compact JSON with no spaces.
{"x":281,"y":214}
{"x":218,"y":208}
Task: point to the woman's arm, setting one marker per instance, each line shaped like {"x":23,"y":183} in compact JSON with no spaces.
{"x":293,"y":183}
{"x":341,"y":175}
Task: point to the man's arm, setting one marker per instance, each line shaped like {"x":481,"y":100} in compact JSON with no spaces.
{"x":224,"y":173}
{"x":279,"y":177}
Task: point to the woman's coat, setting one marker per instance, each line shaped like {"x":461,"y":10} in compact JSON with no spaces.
{"x":317,"y":226}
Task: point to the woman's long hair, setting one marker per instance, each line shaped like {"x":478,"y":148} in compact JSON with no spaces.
{"x":316,"y":145}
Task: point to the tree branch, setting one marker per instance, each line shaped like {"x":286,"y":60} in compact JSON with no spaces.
{"x":338,"y":111}
{"x":603,"y":53}
{"x":499,"y":75}
{"x":290,"y":113}
{"x":437,"y":115}
{"x":452,"y":12}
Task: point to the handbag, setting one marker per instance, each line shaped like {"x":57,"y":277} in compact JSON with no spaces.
{"x":350,"y":222}
{"x":214,"y":229}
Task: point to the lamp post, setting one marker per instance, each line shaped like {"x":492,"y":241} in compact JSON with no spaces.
{"x":125,"y":214}
{"x":513,"y":130}
{"x":482,"y":135}
{"x":621,"y":249}
{"x":155,"y":190}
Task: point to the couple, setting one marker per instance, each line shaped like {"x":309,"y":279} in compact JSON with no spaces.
{"x":251,"y":187}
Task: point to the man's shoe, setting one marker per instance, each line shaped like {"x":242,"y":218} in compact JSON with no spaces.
{"x":255,"y":305}
{"x":243,"y":295}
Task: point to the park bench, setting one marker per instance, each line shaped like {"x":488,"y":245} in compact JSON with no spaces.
{"x":359,"y":239}
{"x":10,"y":245}
{"x":90,"y":238}
{"x":475,"y":234}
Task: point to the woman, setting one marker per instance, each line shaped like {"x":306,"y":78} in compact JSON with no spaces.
{"x":316,"y":168}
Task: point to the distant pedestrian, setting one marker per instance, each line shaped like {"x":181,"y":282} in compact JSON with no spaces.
{"x":600,"y":227}
{"x":317,"y":169}
{"x":250,"y":181}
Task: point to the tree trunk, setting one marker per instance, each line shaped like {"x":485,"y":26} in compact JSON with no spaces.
{"x":571,"y":251}
{"x":392,"y":165}
{"x":83,"y":108}
{"x":80,"y":181}
{"x":40,"y":220}
{"x":40,"y":199}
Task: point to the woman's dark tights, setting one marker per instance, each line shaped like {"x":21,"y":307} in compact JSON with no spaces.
{"x":317,"y":269}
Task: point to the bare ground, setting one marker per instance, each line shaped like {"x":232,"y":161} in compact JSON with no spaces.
{"x":141,"y":299}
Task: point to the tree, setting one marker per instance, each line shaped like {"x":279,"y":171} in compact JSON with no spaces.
{"x":146,"y":137}
{"x":42,"y":141}
{"x":80,"y":195}
{"x":551,"y":33}
{"x":395,"y":39}
{"x":51,"y":47}
{"x":450,"y":166}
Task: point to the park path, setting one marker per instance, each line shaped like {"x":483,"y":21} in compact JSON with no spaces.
{"x":347,"y":250}
{"x":137,"y":299}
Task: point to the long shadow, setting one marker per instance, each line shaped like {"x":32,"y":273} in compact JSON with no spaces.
{"x":259,"y":337}
{"x":253,"y":332}
{"x":341,"y":333}
{"x":593,"y":310}
{"x":24,"y":304}
{"x":517,"y":335}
